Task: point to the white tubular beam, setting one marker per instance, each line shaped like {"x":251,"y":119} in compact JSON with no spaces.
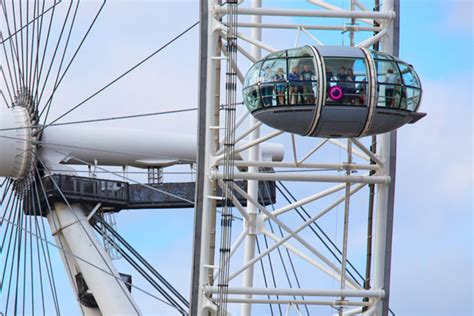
{"x":246,"y":54}
{"x":262,"y":176}
{"x":292,"y":302}
{"x":358,"y":153}
{"x":308,"y":199}
{"x":254,"y":155}
{"x":242,"y":136}
{"x":239,"y":122}
{"x":293,"y":145}
{"x":333,"y":273}
{"x":355,"y":28}
{"x":354,"y":311}
{"x":109,"y":291}
{"x":328,"y":6}
{"x":311,"y":36}
{"x":321,"y":144}
{"x":367,"y":152}
{"x":360,"y":5}
{"x":297,"y":39}
{"x":69,"y":263}
{"x":257,"y":43}
{"x":303,"y":242}
{"x":300,"y":228}
{"x":236,"y":202}
{"x":298,"y":292}
{"x":385,"y":195}
{"x":312,"y":13}
{"x":372,"y":40}
{"x":252,"y":143}
{"x":278,"y":164}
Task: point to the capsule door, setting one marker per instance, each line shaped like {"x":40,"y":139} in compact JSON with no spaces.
{"x":345,"y":107}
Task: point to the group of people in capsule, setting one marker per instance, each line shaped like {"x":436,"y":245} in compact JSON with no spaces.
{"x":301,"y":86}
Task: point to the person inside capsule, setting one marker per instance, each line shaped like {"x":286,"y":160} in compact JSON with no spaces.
{"x":280,"y":86}
{"x":307,"y":75}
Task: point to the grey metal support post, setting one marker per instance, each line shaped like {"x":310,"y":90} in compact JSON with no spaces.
{"x":196,"y":257}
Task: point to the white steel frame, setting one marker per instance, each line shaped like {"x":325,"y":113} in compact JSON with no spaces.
{"x":254,"y":221}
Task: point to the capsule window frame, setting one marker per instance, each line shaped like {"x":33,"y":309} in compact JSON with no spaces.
{"x":328,"y":81}
{"x":403,"y":87}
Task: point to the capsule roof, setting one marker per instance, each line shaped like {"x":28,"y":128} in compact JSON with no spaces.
{"x":333,"y":91}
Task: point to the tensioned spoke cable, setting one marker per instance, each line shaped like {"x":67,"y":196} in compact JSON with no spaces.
{"x":69,"y":253}
{"x":16,"y":228}
{"x":26,"y":25}
{"x":13,"y":51}
{"x":143,"y":273}
{"x":31,"y":69}
{"x":142,"y":260}
{"x":55,"y":222}
{"x":267,"y":192}
{"x":4,"y":99}
{"x":75,"y":54}
{"x":25,"y":72}
{"x":115,"y":118}
{"x":8,"y":88}
{"x":20,"y":23}
{"x":321,"y":230}
{"x":50,"y":101}
{"x":8,"y":209}
{"x":270,"y":264}
{"x":39,"y":70}
{"x":265,"y":282}
{"x":53,"y":58}
{"x":10,"y":65}
{"x":46,"y":255}
{"x":20,"y":68}
{"x":123,"y":75}
{"x":32,"y":277}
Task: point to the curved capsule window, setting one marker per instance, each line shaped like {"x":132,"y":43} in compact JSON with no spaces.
{"x":346,"y":81}
{"x":286,"y":78}
{"x":251,"y":91}
{"x":411,"y":89}
{"x":398,"y":85}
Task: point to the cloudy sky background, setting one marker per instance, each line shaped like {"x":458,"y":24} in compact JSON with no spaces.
{"x":433,"y":231}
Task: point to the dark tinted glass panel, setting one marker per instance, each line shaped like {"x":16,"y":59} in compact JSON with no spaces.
{"x":302,"y":81}
{"x":346,"y":81}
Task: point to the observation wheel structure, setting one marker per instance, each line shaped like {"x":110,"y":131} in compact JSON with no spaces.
{"x":62,"y":183}
{"x":278,"y":216}
{"x":286,"y":257}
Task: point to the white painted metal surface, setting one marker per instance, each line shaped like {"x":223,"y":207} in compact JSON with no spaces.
{"x":109,"y":291}
{"x":16,"y":152}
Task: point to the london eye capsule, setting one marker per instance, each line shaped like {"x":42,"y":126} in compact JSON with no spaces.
{"x":333,"y":91}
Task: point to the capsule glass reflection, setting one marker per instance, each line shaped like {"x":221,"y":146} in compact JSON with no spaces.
{"x":333,"y":91}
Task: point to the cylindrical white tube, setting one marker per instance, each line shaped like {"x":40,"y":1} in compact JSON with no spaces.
{"x":109,"y":291}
